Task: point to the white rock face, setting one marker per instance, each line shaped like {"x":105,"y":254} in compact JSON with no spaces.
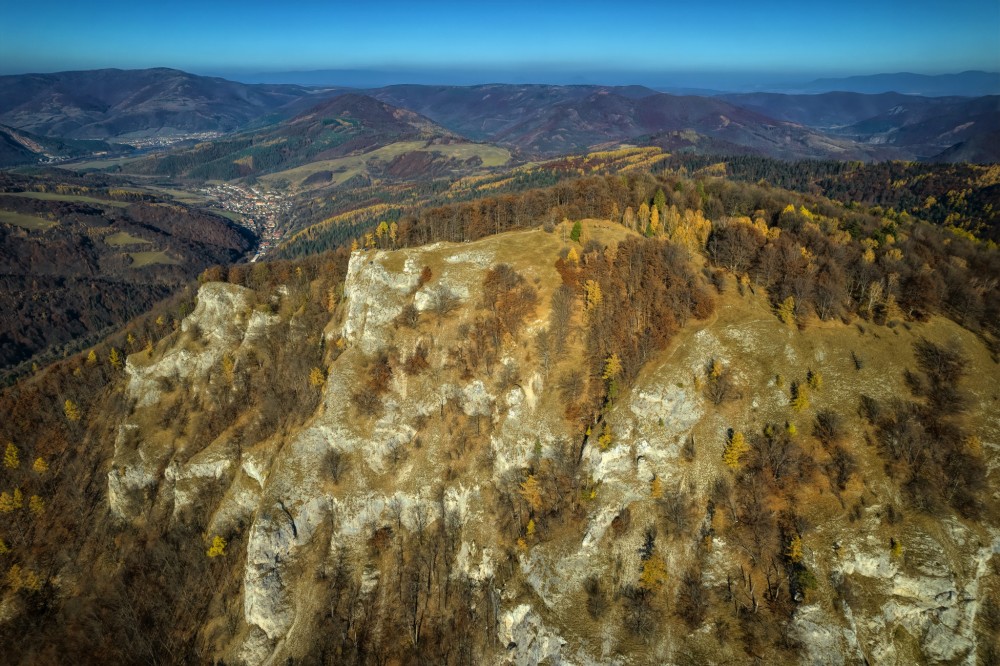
{"x":373,"y":299}
{"x":220,"y":320}
{"x":281,"y":487}
{"x":528,"y":641}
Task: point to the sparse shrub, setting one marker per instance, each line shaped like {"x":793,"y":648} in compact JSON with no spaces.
{"x":719,"y":386}
{"x":815,"y":380}
{"x":367,"y":402}
{"x":621,"y":522}
{"x":336,"y":464}
{"x":597,"y":601}
{"x":417,"y":361}
{"x":870,"y":409}
{"x":688,"y":450}
{"x":425,"y":276}
{"x":409,"y":316}
{"x":828,"y":427}
{"x":380,"y":540}
{"x":719,"y":281}
{"x":639,"y":617}
{"x":692,"y":600}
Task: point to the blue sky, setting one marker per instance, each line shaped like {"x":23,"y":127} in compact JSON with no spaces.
{"x":777,"y":38}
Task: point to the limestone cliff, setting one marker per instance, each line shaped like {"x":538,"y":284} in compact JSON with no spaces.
{"x":447,"y":446}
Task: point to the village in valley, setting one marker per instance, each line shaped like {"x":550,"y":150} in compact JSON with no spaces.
{"x":257,"y":210}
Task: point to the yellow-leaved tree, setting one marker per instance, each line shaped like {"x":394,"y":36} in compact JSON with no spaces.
{"x":531,"y":491}
{"x":115,"y":358}
{"x":40,"y":466}
{"x":11,"y":459}
{"x":794,"y":550}
{"x":612,"y":367}
{"x":654,"y":222}
{"x":654,"y":573}
{"x":71,"y":411}
{"x":734,"y":450}
{"x":656,"y":488}
{"x":593,"y":294}
{"x":800,"y":397}
{"x":786,"y":311}
{"x":218,"y":547}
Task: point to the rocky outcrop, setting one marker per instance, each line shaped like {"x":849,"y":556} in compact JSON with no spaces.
{"x":296,"y":515}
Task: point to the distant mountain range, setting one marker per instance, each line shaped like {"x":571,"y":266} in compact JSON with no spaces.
{"x":294,"y":125}
{"x":122,"y":104}
{"x":337,"y":127}
{"x":967,"y":84}
{"x":552,"y":120}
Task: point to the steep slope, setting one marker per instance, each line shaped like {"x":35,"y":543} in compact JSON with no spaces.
{"x":441,"y":495}
{"x":122,"y":104}
{"x":300,"y":510}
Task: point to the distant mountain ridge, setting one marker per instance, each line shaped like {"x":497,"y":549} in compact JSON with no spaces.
{"x":110,"y":103}
{"x":553,"y":120}
{"x":347,"y":124}
{"x":965,"y":84}
{"x":532,"y":120}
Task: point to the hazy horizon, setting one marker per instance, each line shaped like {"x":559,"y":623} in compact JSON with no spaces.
{"x":686,"y":44}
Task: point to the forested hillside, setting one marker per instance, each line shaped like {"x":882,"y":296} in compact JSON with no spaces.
{"x":79,"y":260}
{"x":637,"y":416}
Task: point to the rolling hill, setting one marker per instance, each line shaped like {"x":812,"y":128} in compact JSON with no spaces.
{"x":120,"y":104}
{"x":19,"y":147}
{"x":925,"y":128}
{"x":347,"y":127}
{"x":554,"y":120}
